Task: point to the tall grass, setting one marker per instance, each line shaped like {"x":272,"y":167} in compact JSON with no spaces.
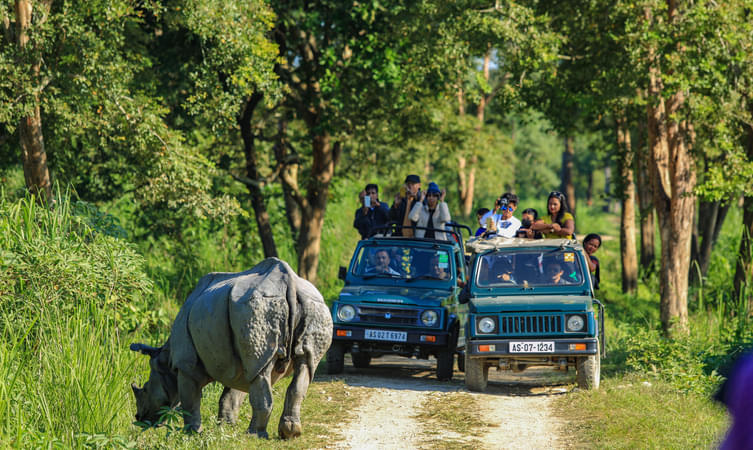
{"x":69,"y":294}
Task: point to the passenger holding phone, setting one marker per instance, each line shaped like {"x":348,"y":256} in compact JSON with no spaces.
{"x":431,"y":212}
{"x":372,"y":214}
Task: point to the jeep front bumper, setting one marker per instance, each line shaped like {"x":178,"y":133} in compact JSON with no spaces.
{"x":390,"y":336}
{"x":496,"y":348}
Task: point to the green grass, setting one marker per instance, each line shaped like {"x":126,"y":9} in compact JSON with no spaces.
{"x":329,"y":405}
{"x":632,"y":411}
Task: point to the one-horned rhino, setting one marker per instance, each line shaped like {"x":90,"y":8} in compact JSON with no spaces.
{"x":245,"y":330}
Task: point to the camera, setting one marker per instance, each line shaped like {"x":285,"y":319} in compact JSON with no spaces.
{"x":525,"y":223}
{"x":502,"y":201}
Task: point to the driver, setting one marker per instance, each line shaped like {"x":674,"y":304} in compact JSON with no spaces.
{"x":435,"y":270}
{"x":554,"y":274}
{"x":382,"y":263}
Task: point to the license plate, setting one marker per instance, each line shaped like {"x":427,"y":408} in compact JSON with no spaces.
{"x":386,"y":335}
{"x":531,"y":347}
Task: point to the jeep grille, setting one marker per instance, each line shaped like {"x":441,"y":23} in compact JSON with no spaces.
{"x":530,"y":324}
{"x":396,"y":316}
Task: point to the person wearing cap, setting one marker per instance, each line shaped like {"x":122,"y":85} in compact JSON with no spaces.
{"x":372,"y":214}
{"x":404,"y":202}
{"x":431,"y":212}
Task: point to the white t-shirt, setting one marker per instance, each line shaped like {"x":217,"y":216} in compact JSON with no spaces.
{"x":507,"y":228}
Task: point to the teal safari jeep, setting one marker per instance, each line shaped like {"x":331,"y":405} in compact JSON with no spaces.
{"x":398,"y":296}
{"x":530,"y":303}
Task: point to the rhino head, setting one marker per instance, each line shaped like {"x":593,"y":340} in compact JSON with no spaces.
{"x":161,"y":389}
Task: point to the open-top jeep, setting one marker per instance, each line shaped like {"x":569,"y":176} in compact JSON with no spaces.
{"x":530,"y":303}
{"x":398,"y":296}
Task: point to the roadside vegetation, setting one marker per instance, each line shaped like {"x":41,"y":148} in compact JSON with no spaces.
{"x":657,"y":392}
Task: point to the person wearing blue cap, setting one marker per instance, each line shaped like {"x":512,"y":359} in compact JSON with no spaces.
{"x":431,"y":212}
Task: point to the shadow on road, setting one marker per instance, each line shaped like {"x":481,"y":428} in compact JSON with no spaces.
{"x":394,"y":372}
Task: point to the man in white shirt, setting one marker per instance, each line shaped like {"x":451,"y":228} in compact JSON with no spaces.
{"x":502,"y":220}
{"x":507,"y":225}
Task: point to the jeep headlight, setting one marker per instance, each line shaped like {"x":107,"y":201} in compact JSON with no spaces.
{"x":346,"y":313}
{"x":429,"y":317}
{"x":576,"y":322}
{"x":486,"y":325}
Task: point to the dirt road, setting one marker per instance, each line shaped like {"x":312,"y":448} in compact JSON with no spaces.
{"x":516,"y":408}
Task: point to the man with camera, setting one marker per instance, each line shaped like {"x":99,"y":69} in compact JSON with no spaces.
{"x":372,"y":214}
{"x":501,"y":221}
{"x":409,"y":195}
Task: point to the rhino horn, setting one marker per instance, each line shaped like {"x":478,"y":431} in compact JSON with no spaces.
{"x":145,"y":349}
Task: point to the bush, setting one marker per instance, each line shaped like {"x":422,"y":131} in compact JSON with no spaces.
{"x":70,"y":289}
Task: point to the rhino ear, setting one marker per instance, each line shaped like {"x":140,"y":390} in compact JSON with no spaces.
{"x":145,"y":349}
{"x":136,"y":389}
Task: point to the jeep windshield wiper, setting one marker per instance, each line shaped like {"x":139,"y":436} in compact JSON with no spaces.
{"x":380,"y":275}
{"x":425,"y":277}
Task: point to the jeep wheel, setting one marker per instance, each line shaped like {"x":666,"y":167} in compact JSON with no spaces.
{"x":335,"y":358}
{"x":445,"y":363}
{"x":361,"y":360}
{"x":476,"y":374}
{"x":588,"y":371}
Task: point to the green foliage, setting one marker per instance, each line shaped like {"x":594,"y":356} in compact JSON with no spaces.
{"x":68,"y":292}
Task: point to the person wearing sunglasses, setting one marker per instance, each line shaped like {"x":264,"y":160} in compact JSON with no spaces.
{"x":504,"y":223}
{"x":431,"y":212}
{"x":559,"y":223}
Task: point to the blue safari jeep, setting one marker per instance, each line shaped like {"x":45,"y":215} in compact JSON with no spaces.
{"x":530,"y":303}
{"x":398,"y":299}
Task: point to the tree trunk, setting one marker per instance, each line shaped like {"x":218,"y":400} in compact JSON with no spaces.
{"x":252,"y":172}
{"x":288,"y":178}
{"x":567,"y":187}
{"x":674,"y":200}
{"x":646,"y":209}
{"x":744,"y":267}
{"x":325,"y":156}
{"x":590,"y":189}
{"x":627,"y":216}
{"x":710,"y":219}
{"x":34,"y":156}
{"x":607,"y":189}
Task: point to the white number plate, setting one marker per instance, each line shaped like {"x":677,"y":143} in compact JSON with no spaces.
{"x":386,"y":335}
{"x":531,"y":347}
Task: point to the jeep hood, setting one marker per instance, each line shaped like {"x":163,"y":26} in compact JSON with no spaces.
{"x":396,"y":295}
{"x":498,"y":304}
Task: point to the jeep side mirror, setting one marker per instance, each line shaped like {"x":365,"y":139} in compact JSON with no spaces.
{"x":342,"y":272}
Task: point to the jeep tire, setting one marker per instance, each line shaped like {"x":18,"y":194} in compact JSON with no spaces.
{"x":445,"y":363}
{"x":335,"y":358}
{"x":361,"y":360}
{"x":476,"y":374}
{"x":588,"y":370}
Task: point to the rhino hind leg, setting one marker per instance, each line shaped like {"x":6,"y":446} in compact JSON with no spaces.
{"x":260,"y":397}
{"x":290,"y":422}
{"x":230,"y":404}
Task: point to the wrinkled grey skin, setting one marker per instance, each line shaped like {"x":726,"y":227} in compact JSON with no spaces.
{"x":245,"y":330}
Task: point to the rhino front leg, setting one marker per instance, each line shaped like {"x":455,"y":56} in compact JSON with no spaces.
{"x":260,"y":396}
{"x":230,"y":404}
{"x":190,"y":400}
{"x":290,"y":422}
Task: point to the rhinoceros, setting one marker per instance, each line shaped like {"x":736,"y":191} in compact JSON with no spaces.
{"x":244,"y":330}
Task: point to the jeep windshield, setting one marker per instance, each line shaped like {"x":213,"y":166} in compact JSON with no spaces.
{"x":529,"y":268}
{"x":403,"y":262}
